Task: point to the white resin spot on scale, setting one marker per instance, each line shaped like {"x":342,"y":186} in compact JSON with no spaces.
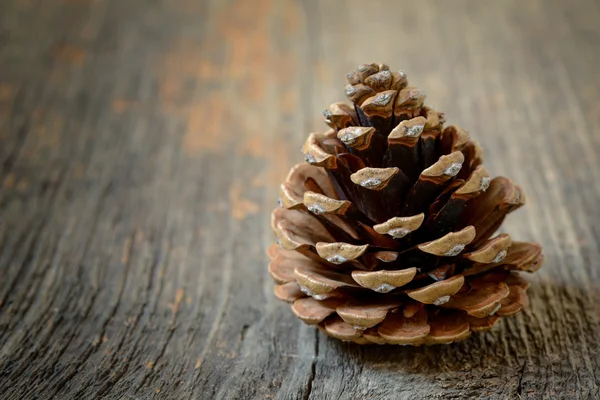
{"x":413,"y":131}
{"x":309,"y":158}
{"x":415,"y":93}
{"x":453,"y":169}
{"x":370,"y":182}
{"x":499,"y":257}
{"x":348,"y":139}
{"x":305,"y":290}
{"x":496,"y":309}
{"x":359,"y":328}
{"x":398,"y":233}
{"x":316,"y":209}
{"x":319,"y":296}
{"x":485,"y":183}
{"x":454,"y":251}
{"x":382,"y":100}
{"x":352,"y":133}
{"x":441,"y":300}
{"x":337,"y":259}
{"x":384,"y":288}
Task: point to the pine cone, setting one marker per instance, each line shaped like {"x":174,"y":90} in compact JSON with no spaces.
{"x":384,"y":232}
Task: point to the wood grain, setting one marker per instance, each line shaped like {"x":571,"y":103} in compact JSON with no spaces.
{"x":141,"y":148}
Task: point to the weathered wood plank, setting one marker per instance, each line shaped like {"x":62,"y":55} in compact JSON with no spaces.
{"x":141,"y":146}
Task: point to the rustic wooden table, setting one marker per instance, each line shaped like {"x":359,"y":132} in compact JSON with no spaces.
{"x":141,"y":148}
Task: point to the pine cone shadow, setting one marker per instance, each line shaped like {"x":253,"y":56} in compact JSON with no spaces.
{"x":534,"y":338}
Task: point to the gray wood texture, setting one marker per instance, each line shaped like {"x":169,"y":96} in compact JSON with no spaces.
{"x":141,"y":148}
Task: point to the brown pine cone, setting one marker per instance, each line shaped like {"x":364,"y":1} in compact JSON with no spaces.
{"x":384,"y":232}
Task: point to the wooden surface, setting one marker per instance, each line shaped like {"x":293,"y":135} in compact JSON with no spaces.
{"x":141,"y":148}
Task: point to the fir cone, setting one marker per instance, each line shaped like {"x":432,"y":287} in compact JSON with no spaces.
{"x":385,"y":232}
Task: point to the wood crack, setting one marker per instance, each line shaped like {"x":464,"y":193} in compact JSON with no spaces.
{"x":520,"y":381}
{"x":21,"y":134}
{"x":313,"y":367}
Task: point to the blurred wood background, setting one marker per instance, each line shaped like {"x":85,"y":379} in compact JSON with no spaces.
{"x":141,"y":148}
